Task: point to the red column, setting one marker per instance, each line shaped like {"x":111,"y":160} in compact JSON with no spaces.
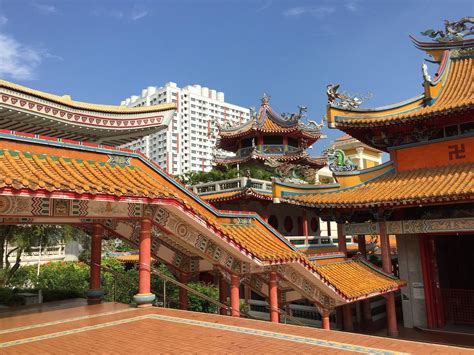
{"x":325,"y":319}
{"x":341,"y":239}
{"x":94,"y":294}
{"x":234,"y":295}
{"x":260,"y":143}
{"x":361,"y":245}
{"x":392,"y":327}
{"x":273,"y":297}
{"x":305,"y":226}
{"x":347,"y":318}
{"x":222,"y":294}
{"x":144,"y":297}
{"x":183,"y":293}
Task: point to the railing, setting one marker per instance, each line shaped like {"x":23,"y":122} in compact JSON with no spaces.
{"x":300,"y":241}
{"x":47,"y":253}
{"x":269,"y":149}
{"x":233,"y":184}
{"x":458,"y":305}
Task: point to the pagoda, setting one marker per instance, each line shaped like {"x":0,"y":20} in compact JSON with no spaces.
{"x":424,"y":195}
{"x":277,"y":144}
{"x":270,"y":138}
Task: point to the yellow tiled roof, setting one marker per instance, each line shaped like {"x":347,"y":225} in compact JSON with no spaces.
{"x":439,"y":184}
{"x":53,"y":173}
{"x":357,"y":278}
{"x":66,"y":100}
{"x":457,"y":94}
{"x":230,"y":195}
{"x":253,"y":237}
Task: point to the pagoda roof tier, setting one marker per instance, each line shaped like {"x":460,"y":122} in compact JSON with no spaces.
{"x":391,"y":188}
{"x":241,"y":194}
{"x":32,"y":111}
{"x":449,"y":93}
{"x":102,"y":181}
{"x":300,"y":157}
{"x":268,"y":122}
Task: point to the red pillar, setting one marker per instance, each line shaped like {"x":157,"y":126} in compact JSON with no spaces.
{"x":347,"y":318}
{"x":273,"y":297}
{"x":392,"y":327}
{"x":341,"y":239}
{"x":325,"y":319}
{"x":361,"y":245}
{"x":94,"y":294}
{"x":234,"y":295}
{"x":222,"y":294}
{"x":183,"y":293}
{"x":144,"y":297}
{"x":305,"y":226}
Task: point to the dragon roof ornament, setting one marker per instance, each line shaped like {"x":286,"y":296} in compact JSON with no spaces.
{"x":344,"y":100}
{"x":338,"y":161}
{"x":453,"y":31}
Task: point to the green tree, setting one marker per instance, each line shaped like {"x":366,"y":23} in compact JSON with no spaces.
{"x":15,"y":240}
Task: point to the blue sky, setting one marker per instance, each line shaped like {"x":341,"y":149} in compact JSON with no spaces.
{"x":103,"y":51}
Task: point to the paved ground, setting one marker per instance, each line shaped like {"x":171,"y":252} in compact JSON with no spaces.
{"x":116,"y":328}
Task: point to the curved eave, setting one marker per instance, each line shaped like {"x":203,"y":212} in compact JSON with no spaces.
{"x":25,"y":113}
{"x":66,"y":101}
{"x":246,"y":193}
{"x":300,"y":158}
{"x":438,"y":185}
{"x":406,"y":111}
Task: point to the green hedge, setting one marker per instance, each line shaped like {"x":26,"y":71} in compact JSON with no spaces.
{"x":64,"y":280}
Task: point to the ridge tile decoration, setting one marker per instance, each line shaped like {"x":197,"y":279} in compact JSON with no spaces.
{"x":409,"y":187}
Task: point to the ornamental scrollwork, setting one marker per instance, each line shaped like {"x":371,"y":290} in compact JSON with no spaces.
{"x":453,"y":31}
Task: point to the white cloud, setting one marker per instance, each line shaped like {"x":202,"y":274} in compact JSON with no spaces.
{"x":3,"y":20}
{"x":265,"y":5}
{"x":317,"y":11}
{"x":352,"y":5}
{"x":19,"y":61}
{"x":138,"y":12}
{"x":46,"y":9}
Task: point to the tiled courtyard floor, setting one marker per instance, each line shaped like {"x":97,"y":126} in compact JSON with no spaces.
{"x":76,"y":328}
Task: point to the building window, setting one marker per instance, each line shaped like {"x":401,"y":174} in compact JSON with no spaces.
{"x":273,"y":221}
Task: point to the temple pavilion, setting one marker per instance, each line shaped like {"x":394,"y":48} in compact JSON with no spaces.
{"x":118,"y":193}
{"x":423,"y":195}
{"x":276,"y":143}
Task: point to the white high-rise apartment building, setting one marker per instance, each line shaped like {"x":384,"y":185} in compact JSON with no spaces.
{"x":188,"y":143}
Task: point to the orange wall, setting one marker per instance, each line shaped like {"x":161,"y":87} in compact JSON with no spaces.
{"x":455,"y":151}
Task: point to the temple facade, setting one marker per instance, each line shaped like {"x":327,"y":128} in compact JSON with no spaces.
{"x":423,"y":195}
{"x":113,"y":192}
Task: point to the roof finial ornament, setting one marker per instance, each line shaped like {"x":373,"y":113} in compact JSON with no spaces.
{"x":265,"y":99}
{"x":426,"y":76}
{"x":294,"y":117}
{"x":453,"y":31}
{"x":343,"y":100}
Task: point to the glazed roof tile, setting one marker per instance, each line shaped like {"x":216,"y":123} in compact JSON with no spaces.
{"x":357,"y":278}
{"x":457,"y":95}
{"x":438,"y":184}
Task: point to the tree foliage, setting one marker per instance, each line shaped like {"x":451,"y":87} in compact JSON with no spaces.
{"x":199,"y":177}
{"x":15,"y":240}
